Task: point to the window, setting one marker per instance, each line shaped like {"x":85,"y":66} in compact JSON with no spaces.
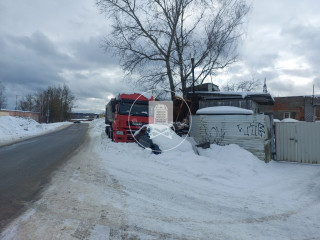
{"x":286,"y":115}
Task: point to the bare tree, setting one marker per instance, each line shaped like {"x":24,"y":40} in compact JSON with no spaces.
{"x":27,"y":103}
{"x":58,"y":101}
{"x":229,"y":87}
{"x":3,"y":98}
{"x":242,"y":86}
{"x":156,"y":39}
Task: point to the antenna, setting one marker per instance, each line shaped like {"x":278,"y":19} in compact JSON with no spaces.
{"x":313,"y":95}
{"x":265,"y":90}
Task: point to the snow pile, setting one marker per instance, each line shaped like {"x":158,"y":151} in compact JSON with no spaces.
{"x":16,"y":128}
{"x":224,"y":110}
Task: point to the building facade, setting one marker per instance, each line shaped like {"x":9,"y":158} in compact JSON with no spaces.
{"x":301,"y":108}
{"x":31,"y":115}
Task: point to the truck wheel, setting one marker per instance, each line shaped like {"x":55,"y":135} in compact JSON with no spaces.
{"x":111,"y":133}
{"x":107,"y":130}
{"x":155,"y":149}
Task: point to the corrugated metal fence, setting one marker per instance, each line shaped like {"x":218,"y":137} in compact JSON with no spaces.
{"x":252,"y":132}
{"x":298,"y":142}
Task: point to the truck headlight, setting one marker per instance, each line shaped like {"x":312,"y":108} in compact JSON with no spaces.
{"x":119,"y":132}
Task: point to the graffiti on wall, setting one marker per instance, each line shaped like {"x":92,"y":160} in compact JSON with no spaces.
{"x":252,"y":129}
{"x":218,"y":135}
{"x":214,"y":135}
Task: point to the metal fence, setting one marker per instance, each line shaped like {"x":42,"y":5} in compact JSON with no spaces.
{"x":252,"y":132}
{"x":298,"y":142}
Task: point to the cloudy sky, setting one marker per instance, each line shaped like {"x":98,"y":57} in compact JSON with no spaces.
{"x":50,"y":43}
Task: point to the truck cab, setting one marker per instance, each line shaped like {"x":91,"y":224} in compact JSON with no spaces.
{"x":125,"y":114}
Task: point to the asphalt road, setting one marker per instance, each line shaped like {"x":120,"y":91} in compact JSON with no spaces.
{"x":25,"y":167}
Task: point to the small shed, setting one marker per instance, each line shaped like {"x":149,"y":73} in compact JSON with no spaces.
{"x":254,"y":101}
{"x":225,"y":125}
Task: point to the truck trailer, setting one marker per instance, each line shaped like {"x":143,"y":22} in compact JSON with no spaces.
{"x":126,"y":114}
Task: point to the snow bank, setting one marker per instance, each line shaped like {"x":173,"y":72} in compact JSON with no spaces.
{"x":223,"y":193}
{"x":15,"y":128}
{"x":224,"y":110}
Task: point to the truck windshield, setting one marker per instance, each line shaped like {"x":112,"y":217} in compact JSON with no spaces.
{"x":136,"y":110}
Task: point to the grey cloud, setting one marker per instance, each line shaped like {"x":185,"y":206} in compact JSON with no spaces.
{"x":98,"y":87}
{"x":316,"y":82}
{"x":281,"y":86}
{"x":298,"y":72}
{"x":261,"y":60}
{"x":34,"y":62}
{"x":29,"y":61}
{"x":39,"y":45}
{"x":304,"y":40}
{"x":268,"y":74}
{"x":93,"y":53}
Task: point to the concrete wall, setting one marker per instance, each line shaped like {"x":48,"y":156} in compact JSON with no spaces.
{"x":31,"y":115}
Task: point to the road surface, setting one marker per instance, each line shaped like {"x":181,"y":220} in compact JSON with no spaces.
{"x":26,"y":166}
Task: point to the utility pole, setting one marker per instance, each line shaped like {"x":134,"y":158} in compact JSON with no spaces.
{"x":192,"y":69}
{"x":313,"y":106}
{"x":16,"y":108}
{"x":194,"y":100}
{"x":16,"y":102}
{"x":48,"y":110}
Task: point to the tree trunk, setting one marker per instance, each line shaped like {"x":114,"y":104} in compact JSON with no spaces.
{"x":170,"y":77}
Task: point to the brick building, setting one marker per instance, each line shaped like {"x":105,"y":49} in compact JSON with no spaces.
{"x":24,"y":114}
{"x":302,"y":108}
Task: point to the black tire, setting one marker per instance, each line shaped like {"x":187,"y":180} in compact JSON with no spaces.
{"x":111,"y":134}
{"x":155,"y":149}
{"x":107,"y":130}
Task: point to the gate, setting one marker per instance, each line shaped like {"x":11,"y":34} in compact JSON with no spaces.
{"x":298,"y":142}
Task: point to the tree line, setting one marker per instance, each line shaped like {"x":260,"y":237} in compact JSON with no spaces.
{"x":54,"y":103}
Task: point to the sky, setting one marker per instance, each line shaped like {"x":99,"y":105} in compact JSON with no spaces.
{"x":50,"y":43}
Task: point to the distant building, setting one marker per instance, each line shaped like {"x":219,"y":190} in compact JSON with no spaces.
{"x":84,"y":116}
{"x":302,"y":108}
{"x":248,"y":100}
{"x":207,"y":87}
{"x":17,"y":113}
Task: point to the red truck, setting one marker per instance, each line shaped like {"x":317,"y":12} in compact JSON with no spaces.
{"x":120,"y":125}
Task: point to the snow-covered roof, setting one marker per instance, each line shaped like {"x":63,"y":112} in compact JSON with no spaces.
{"x":224,"y":110}
{"x":289,"y":120}
{"x":259,"y":97}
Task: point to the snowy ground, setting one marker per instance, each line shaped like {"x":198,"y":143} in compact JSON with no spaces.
{"x":14,"y":129}
{"x":121,"y":191}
